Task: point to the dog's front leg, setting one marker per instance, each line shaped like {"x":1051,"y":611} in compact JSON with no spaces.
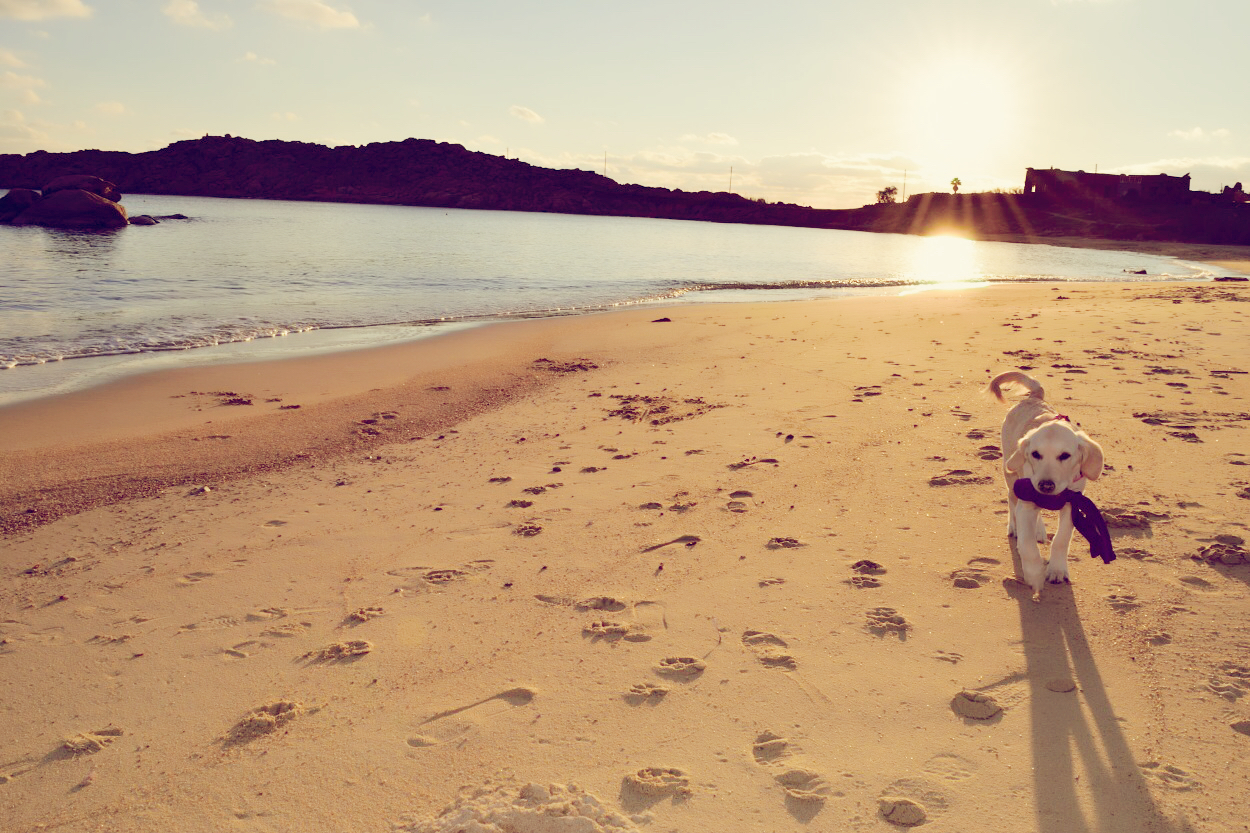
{"x":1031,"y":563}
{"x":1057,"y":568}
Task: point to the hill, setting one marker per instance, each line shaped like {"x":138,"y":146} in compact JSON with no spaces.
{"x":423,"y":172}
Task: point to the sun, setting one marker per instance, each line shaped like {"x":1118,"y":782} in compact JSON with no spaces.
{"x":958,"y":116}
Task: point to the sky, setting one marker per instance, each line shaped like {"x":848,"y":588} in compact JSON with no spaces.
{"x":814,"y":102}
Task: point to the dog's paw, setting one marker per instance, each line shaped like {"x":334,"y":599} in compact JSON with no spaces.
{"x":1057,"y":574}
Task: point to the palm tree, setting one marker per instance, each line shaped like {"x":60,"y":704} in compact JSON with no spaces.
{"x":955,"y":183}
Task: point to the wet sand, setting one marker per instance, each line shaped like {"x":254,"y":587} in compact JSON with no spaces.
{"x":743,"y":569}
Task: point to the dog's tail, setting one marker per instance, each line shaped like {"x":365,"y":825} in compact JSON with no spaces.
{"x":1015,"y":379}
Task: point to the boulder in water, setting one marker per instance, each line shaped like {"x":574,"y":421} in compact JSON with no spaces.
{"x":84,"y":182}
{"x":73,"y":209}
{"x":15,"y":202}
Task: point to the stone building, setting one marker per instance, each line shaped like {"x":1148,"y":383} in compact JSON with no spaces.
{"x":1079,"y":186}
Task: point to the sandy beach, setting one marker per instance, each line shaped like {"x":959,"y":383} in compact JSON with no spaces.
{"x":701,"y":568}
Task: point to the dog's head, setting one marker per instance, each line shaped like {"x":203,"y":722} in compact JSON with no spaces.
{"x":1054,"y":456}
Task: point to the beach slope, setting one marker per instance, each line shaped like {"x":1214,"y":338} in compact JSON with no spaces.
{"x":698,"y":568}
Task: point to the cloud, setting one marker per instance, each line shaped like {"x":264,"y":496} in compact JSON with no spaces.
{"x":187,"y":13}
{"x":253,"y":58}
{"x":110,"y":108}
{"x":16,"y":134}
{"x":10,"y":80}
{"x":43,"y":9}
{"x":525,"y":114}
{"x":313,"y":12}
{"x":1197,"y":134}
{"x":23,"y":85}
{"x":8,"y":59}
{"x":710,"y":138}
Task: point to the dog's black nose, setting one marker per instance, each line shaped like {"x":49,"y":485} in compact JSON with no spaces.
{"x":1046,"y":487}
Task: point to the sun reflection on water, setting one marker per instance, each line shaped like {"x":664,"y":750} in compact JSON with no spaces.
{"x":945,"y":262}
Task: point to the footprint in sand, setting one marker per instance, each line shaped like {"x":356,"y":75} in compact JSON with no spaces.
{"x":1123,"y":602}
{"x":959,"y":477}
{"x":604,"y":603}
{"x":265,"y":720}
{"x":442,"y":728}
{"x":214,"y":624}
{"x":268,"y":614}
{"x":339,"y":652}
{"x":989,"y":452}
{"x":110,"y":639}
{"x":1230,"y":681}
{"x":975,"y":705}
{"x":867,"y":574}
{"x":903,"y":812}
{"x":610,"y":631}
{"x":444,"y":576}
{"x":770,"y":748}
{"x":950,"y":767}
{"x":425,"y":578}
{"x":287,"y":630}
{"x":1196,"y":583}
{"x":659,"y":781}
{"x":804,"y":785}
{"x":682,"y":669}
{"x":649,"y":693}
{"x":1171,"y":776}
{"x":771,"y":581}
{"x":194,"y":578}
{"x":362,"y":615}
{"x":1230,"y":552}
{"x":242,"y":650}
{"x":909,"y":802}
{"x":883,"y":620}
{"x":88,"y":743}
{"x":769,"y":649}
{"x":969,"y":578}
{"x":799,"y":783}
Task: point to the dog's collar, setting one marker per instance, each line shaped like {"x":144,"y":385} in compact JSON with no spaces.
{"x":1061,"y":417}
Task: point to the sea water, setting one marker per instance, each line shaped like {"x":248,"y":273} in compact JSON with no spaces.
{"x":247,"y":279}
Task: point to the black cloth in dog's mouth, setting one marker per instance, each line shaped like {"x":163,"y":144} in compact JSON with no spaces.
{"x":1085,"y":515}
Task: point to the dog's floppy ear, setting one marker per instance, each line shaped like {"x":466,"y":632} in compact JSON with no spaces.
{"x":1091,"y":458}
{"x":1015,"y":463}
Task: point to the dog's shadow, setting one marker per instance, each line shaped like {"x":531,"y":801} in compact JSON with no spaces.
{"x":1077,"y":737}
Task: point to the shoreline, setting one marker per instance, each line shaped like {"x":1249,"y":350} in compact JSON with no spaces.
{"x":1232,"y":258}
{"x":348,"y":339}
{"x":739,"y":570}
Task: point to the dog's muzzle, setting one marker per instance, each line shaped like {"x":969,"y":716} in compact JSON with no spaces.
{"x":1046,"y":487}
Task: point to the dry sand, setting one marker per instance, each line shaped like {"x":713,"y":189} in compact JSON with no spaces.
{"x":743,"y":570}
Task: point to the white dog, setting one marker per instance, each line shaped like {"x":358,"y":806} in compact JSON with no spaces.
{"x":1042,"y":445}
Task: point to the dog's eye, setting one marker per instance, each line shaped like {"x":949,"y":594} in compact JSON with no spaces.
{"x":1065,"y":455}
{"x":1037,"y":455}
